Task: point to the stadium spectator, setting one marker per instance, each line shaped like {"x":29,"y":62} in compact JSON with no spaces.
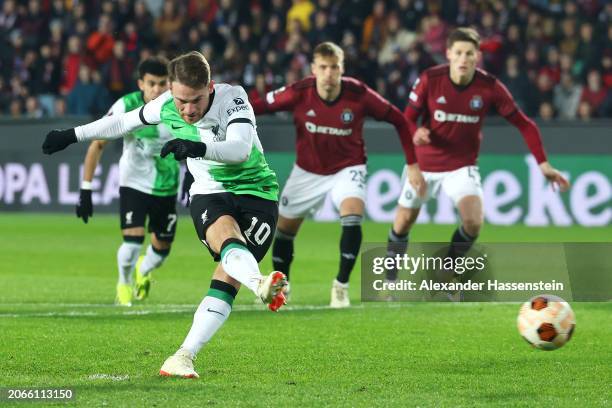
{"x":301,"y":10}
{"x":88,"y":96}
{"x":579,"y":31}
{"x":374,"y":27}
{"x":168,"y":25}
{"x":516,"y":81}
{"x":71,"y":65}
{"x":100,"y":43}
{"x":594,"y":93}
{"x":8,"y":17}
{"x":567,"y":97}
{"x":546,"y":111}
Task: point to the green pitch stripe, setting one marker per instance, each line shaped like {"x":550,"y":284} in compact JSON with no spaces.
{"x":219,"y":294}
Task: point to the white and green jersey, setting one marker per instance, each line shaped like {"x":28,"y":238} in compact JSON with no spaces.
{"x":234,"y":161}
{"x":140,"y":166}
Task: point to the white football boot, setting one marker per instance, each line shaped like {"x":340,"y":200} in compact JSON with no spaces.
{"x":270,"y":290}
{"x":339,"y":295}
{"x":180,"y":364}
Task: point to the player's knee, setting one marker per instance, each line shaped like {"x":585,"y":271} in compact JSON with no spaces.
{"x":404,"y":220}
{"x":472,"y":225}
{"x":161,"y":255}
{"x":134,"y":239}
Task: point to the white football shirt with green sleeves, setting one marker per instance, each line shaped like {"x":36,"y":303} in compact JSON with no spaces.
{"x":140,"y":166}
{"x":228,"y":104}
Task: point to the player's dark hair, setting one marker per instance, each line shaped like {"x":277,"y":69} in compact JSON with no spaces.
{"x":157,"y":66}
{"x":463,"y":34}
{"x":190,"y":69}
{"x":328,"y":49}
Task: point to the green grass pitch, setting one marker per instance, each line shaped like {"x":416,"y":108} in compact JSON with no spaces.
{"x":58,"y":328}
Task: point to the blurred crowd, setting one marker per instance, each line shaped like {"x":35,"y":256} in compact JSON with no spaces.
{"x":62,"y":57}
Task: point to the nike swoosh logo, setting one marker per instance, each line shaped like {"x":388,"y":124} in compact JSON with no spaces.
{"x":214,"y":311}
{"x":177,"y":127}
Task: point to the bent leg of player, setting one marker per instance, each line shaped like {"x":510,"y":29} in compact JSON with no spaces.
{"x":162,"y":225}
{"x":127,"y":256}
{"x":133,"y":206}
{"x":408,"y":209}
{"x":223,"y":236}
{"x":212,"y":313}
{"x":348,"y":195}
{"x":464,"y":188}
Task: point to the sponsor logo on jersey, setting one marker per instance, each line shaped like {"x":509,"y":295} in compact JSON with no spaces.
{"x":176,"y":127}
{"x":239,"y":101}
{"x":476,"y":102}
{"x":442,"y":116}
{"x":215,"y":129}
{"x":327,"y":130}
{"x":441,"y":100}
{"x":347,"y":116}
{"x":311,"y":113}
{"x":237,"y":109}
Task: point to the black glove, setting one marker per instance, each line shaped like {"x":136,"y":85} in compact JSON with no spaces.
{"x":183,"y":148}
{"x":187,"y":182}
{"x":57,"y":140}
{"x":84,"y":208}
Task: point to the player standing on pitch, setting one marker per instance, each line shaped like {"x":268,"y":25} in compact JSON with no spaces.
{"x":148,"y":186}
{"x":233,"y":196}
{"x":452,"y":101}
{"x":328,"y":112}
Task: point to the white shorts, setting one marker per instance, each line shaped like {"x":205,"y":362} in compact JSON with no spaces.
{"x":304,"y":192}
{"x":457,"y":184}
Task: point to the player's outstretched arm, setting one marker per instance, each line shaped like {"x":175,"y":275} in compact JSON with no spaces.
{"x":108,"y":127}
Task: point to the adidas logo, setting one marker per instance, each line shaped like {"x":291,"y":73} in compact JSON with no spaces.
{"x":311,"y":113}
{"x":441,"y":100}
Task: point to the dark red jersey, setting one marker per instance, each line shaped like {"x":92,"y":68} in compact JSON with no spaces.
{"x":330,"y":134}
{"x":455,"y":114}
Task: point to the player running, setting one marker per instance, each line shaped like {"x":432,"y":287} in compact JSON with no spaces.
{"x":328,"y":112}
{"x":233,"y":196}
{"x":148,"y":186}
{"x":452,"y":101}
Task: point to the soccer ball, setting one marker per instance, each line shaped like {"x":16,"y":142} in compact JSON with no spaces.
{"x":546,"y":322}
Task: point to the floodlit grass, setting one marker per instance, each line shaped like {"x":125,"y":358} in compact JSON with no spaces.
{"x":59,"y":328}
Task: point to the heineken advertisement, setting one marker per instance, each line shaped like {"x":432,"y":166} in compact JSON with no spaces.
{"x":514,"y":190}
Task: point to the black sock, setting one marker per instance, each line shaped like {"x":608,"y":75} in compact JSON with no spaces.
{"x":282,"y":252}
{"x":461,"y":242}
{"x":350,"y":242}
{"x":396,"y":245}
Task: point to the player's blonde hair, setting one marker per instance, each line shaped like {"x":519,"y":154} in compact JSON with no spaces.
{"x":190,"y":69}
{"x":466,"y":34}
{"x":328,"y":49}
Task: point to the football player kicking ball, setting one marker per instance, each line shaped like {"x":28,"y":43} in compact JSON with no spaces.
{"x":328,"y":112}
{"x":452,"y":101}
{"x":148,"y":186}
{"x":233,"y":196}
